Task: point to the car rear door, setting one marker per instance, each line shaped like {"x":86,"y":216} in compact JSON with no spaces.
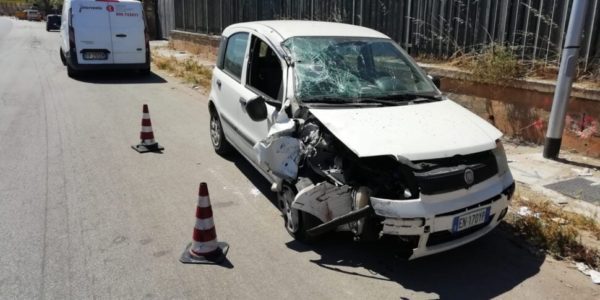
{"x":128,"y":33}
{"x":91,"y":26}
{"x":227,"y":89}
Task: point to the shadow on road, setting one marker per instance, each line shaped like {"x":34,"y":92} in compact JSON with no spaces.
{"x":119,"y":77}
{"x":577,"y":164}
{"x":256,"y":178}
{"x":483,"y":269}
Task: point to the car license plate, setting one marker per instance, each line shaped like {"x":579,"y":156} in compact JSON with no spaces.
{"x":94,"y":55}
{"x":470,"y":219}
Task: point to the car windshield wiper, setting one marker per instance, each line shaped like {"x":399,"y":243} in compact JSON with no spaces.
{"x":380,"y":100}
{"x":412,"y":97}
{"x":336,"y":101}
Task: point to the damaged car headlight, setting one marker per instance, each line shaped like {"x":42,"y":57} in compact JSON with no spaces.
{"x":501,"y":160}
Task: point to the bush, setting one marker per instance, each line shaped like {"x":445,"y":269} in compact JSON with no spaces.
{"x":496,"y":64}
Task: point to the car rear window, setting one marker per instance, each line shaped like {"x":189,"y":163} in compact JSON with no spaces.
{"x":234,"y":54}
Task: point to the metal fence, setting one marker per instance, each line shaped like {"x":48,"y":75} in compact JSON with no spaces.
{"x":534,"y":29}
{"x":165,"y":11}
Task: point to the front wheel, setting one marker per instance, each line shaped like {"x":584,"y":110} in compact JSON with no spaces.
{"x":217,"y":136}
{"x":296,"y":222}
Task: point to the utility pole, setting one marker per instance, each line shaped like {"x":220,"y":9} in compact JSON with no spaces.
{"x":568,"y":66}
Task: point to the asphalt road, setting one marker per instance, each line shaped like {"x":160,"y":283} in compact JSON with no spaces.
{"x":82,"y":215}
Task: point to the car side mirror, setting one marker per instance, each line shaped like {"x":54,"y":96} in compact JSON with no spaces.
{"x":256,"y":109}
{"x":437,"y":81}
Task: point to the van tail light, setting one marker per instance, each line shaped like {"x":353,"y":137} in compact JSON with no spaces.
{"x":71,"y":31}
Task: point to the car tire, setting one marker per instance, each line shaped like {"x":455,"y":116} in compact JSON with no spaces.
{"x":296,"y":222}
{"x":62,"y":57}
{"x":145,"y":72}
{"x":71,"y":72}
{"x":217,"y":136}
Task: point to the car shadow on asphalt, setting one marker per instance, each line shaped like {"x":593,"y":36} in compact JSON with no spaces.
{"x":119,"y":77}
{"x":483,"y":269}
{"x":252,"y":174}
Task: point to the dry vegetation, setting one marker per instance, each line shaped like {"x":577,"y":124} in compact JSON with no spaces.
{"x":188,"y":69}
{"x":552,"y":229}
{"x":493,"y":64}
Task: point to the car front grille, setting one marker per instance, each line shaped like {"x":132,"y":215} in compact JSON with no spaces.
{"x":450,"y":173}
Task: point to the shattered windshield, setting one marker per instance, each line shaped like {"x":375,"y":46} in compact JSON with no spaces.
{"x":348,"y":69}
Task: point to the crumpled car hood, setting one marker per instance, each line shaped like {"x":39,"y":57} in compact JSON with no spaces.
{"x":416,"y":132}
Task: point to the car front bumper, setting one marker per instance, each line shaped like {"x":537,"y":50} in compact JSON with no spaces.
{"x":428,"y":221}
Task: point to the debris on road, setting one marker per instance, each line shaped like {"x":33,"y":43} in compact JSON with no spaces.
{"x":586,"y":270}
{"x":204,"y":248}
{"x":525,"y":211}
{"x":148,"y":144}
{"x":582,"y":171}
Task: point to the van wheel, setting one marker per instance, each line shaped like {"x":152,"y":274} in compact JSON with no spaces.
{"x":62,"y":57}
{"x":71,"y":72}
{"x":145,"y":72}
{"x":296,"y":222}
{"x":217,"y":136}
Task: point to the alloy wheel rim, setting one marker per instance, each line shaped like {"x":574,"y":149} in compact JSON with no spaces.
{"x":215,"y":134}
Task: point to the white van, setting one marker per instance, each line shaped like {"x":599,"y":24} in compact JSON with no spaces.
{"x":103,"y":35}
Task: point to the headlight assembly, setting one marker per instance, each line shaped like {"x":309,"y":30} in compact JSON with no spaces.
{"x":501,"y":160}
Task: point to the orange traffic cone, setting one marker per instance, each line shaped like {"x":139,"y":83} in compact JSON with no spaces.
{"x":204,"y":248}
{"x":148,"y":144}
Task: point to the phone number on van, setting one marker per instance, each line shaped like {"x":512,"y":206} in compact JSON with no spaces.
{"x":127,"y":14}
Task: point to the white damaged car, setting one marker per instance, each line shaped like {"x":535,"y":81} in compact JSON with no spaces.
{"x":354,"y":136}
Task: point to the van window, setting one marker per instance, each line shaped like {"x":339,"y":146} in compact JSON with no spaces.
{"x":264,"y":69}
{"x":234,"y":54}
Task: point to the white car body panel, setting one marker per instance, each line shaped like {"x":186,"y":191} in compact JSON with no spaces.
{"x":417,"y":132}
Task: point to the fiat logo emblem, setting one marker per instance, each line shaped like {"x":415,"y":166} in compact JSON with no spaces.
{"x":110,"y":8}
{"x":469,"y":177}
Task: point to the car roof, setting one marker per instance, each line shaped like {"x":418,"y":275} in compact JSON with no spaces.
{"x":282,"y":30}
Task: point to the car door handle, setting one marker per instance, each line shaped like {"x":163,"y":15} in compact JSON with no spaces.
{"x":121,"y":35}
{"x":243,"y":101}
{"x":219,"y":83}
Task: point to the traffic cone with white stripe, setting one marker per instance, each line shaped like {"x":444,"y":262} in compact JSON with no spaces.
{"x":148,"y":144}
{"x":204,"y":248}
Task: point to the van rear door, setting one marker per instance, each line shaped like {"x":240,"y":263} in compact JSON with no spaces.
{"x":91,"y":26}
{"x":128,"y":33}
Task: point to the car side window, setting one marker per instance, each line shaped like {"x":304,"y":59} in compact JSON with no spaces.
{"x":264,"y":70}
{"x":234,"y":54}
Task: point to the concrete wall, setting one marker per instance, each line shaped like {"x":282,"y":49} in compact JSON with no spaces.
{"x":203,"y":45}
{"x":520,"y":109}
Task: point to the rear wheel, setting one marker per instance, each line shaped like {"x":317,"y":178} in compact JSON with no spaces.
{"x":71,"y":72}
{"x":217,"y":136}
{"x":145,"y":72}
{"x":62,"y":57}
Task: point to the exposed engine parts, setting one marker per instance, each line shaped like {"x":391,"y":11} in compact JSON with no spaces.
{"x":335,"y":185}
